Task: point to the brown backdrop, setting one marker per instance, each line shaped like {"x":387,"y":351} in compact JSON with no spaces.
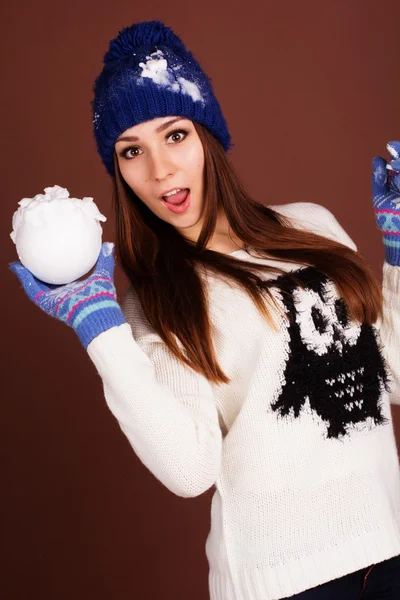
{"x":311,"y":93}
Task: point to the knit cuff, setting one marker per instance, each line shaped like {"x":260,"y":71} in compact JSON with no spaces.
{"x":392,"y":248}
{"x":96,"y":318}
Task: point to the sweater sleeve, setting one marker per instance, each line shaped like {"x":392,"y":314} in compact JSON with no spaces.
{"x":165,"y":409}
{"x":387,"y":326}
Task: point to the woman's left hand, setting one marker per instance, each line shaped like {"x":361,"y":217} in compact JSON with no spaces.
{"x":386,"y":199}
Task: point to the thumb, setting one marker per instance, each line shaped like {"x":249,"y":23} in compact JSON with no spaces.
{"x":106,"y":261}
{"x":379,"y":179}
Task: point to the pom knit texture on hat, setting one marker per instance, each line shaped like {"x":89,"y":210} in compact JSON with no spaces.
{"x":148,"y":73}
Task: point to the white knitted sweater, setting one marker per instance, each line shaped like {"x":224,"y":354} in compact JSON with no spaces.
{"x":300,"y":445}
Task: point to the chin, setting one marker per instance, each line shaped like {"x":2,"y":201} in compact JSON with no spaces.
{"x":186,"y":221}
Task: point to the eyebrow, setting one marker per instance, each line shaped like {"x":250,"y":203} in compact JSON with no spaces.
{"x":133,"y":138}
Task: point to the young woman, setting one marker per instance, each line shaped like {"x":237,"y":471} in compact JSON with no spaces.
{"x":254,"y":350}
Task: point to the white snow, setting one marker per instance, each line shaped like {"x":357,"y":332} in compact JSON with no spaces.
{"x":57,"y":238}
{"x":156,"y":68}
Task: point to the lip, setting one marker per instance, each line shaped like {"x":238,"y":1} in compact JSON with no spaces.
{"x":177,"y":187}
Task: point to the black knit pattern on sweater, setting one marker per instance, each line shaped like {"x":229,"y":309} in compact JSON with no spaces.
{"x":344,"y":382}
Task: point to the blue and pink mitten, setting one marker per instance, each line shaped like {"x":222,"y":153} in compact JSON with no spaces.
{"x":88,"y":306}
{"x":386,"y":199}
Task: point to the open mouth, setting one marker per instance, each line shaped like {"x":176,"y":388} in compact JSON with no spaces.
{"x":177,"y":198}
{"x":177,"y":202}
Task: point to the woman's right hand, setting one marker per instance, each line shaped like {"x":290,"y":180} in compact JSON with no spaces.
{"x":386,"y":200}
{"x":88,"y":306}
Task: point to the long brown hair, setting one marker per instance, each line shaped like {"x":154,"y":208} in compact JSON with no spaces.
{"x":165,"y":269}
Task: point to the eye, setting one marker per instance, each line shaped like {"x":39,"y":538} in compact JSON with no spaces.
{"x":341,"y":312}
{"x":124,"y":152}
{"x":177,"y":136}
{"x":320,"y":320}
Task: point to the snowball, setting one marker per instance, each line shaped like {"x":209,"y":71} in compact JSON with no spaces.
{"x":57,"y":238}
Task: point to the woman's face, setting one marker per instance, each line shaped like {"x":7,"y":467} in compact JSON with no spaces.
{"x":158,"y":157}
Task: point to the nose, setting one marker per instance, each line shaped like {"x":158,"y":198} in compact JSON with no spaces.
{"x":161,"y":166}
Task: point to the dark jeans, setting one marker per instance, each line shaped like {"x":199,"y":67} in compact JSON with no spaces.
{"x":377,"y":582}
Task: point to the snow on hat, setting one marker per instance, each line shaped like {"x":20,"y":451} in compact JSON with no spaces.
{"x":148,"y":73}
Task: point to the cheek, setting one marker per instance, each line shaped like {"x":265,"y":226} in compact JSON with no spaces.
{"x":136,"y":181}
{"x":195,"y":162}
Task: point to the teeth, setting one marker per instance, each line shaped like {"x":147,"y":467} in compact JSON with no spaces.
{"x":172,"y":193}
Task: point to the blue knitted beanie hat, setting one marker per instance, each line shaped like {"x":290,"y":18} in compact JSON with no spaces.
{"x":148,"y":73}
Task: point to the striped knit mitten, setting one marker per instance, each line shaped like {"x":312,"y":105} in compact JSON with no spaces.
{"x":88,"y":306}
{"x":386,"y":199}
